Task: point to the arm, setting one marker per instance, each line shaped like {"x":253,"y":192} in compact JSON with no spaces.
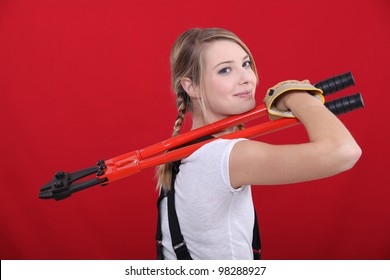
{"x":330,"y":150}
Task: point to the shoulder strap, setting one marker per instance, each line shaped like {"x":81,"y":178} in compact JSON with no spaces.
{"x":179,"y":246}
{"x":256,"y":243}
{"x":159,"y":247}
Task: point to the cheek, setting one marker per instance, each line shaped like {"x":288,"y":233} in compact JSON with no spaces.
{"x":222,"y":87}
{"x":216,"y":89}
{"x":254,"y":79}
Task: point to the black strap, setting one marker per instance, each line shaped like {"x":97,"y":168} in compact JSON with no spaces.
{"x":179,"y":246}
{"x":177,"y":238}
{"x":159,"y":247}
{"x":256,"y":243}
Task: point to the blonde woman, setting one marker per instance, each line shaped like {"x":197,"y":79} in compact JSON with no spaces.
{"x":214,"y":76}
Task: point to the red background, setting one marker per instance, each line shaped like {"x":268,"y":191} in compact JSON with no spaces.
{"x":87,"y":80}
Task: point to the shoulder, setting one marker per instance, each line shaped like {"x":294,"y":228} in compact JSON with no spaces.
{"x":212,"y":161}
{"x":218,"y":147}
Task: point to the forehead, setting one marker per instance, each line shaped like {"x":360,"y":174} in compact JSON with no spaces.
{"x":221,"y":51}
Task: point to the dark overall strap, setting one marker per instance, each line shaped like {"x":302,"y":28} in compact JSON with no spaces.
{"x":179,"y":246}
{"x":256,"y":243}
{"x":177,"y":238}
{"x":159,"y":247}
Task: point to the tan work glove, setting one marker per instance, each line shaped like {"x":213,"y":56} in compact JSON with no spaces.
{"x":283,"y":87}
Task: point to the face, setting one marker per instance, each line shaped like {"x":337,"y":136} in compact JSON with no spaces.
{"x":229,"y":81}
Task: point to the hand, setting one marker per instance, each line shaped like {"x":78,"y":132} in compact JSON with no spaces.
{"x":275,"y":97}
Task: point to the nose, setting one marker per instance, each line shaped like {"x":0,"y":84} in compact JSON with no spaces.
{"x":245,"y":76}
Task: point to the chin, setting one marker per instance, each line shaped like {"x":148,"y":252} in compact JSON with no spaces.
{"x":246,"y":107}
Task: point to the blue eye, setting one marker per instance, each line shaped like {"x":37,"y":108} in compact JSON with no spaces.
{"x":224,"y":71}
{"x":247,"y":64}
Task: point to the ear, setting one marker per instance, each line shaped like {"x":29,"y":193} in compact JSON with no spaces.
{"x":190,"y":88}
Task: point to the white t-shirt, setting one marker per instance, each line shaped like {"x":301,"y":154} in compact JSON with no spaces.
{"x":216,"y":220}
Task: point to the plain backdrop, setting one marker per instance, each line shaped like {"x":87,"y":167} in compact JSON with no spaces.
{"x":84,"y":80}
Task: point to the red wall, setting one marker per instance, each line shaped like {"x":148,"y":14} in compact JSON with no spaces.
{"x":87,"y":80}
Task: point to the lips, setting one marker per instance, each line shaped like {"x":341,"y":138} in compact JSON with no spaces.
{"x":244,"y":94}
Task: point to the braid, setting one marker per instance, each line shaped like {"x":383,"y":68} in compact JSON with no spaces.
{"x":182,"y":103}
{"x":164,"y":172}
{"x":240,"y":127}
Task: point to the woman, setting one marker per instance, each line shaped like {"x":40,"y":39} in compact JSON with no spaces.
{"x":214,"y":76}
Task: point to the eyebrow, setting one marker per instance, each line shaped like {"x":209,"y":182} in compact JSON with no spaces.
{"x":230,"y":61}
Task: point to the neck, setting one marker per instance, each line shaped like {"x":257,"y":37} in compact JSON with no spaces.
{"x":199,"y":120}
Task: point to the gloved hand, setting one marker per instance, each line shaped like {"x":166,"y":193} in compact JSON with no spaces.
{"x":283,"y":87}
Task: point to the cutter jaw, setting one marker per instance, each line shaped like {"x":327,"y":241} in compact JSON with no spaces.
{"x":62,"y":185}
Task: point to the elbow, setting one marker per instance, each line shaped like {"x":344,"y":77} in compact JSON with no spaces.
{"x":347,"y":156}
{"x":338,"y":157}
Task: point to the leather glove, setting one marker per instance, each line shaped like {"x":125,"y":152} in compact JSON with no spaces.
{"x":283,"y":87}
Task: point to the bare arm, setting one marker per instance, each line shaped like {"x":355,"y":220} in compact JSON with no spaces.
{"x":331,"y":149}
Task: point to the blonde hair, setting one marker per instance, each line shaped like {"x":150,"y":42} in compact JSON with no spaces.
{"x":186,"y":62}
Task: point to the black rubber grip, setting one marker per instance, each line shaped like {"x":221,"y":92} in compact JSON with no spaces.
{"x":345,"y":104}
{"x":336,"y":83}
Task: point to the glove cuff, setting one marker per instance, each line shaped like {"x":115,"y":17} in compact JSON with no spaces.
{"x":284,"y":87}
